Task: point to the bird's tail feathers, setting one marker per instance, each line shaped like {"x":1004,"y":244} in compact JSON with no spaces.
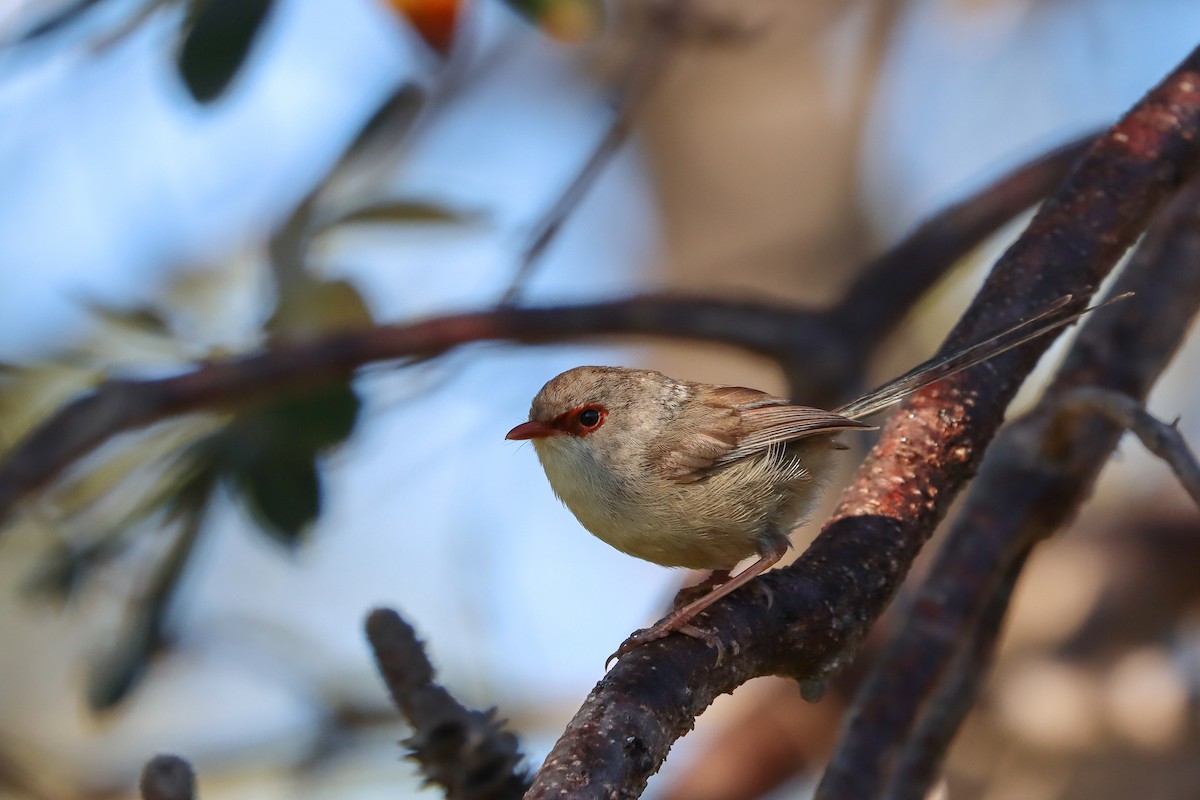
{"x":939,"y":367}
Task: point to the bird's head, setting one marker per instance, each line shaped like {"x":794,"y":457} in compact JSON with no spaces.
{"x":602,"y":409}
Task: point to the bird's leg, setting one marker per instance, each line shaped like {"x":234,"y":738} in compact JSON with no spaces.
{"x":771,"y":550}
{"x":689,"y":593}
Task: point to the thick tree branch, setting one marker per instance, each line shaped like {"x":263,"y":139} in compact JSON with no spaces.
{"x":1039,"y":471}
{"x":468,"y":753}
{"x":825,"y":602}
{"x":821,"y":351}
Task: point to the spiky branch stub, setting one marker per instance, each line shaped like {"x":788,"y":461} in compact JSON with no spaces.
{"x":468,"y":753}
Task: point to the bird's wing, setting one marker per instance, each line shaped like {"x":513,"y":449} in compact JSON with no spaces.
{"x":732,"y":423}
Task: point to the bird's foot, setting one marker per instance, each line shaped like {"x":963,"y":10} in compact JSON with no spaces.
{"x":661,"y":630}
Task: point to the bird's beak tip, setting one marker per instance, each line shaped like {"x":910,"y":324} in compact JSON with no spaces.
{"x":530,"y":430}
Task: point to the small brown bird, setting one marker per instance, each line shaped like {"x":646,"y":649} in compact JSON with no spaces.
{"x":694,"y":475}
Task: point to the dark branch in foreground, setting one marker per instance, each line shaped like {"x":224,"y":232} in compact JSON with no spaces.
{"x":825,"y":602}
{"x":167,"y":777}
{"x":1039,"y":471}
{"x":468,"y":753}
{"x":820,"y":351}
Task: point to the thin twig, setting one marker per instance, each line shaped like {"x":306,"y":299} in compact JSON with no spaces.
{"x":667,"y":22}
{"x":643,"y":77}
{"x":1038,"y":472}
{"x":53,"y":22}
{"x":468,"y":753}
{"x":1160,"y":438}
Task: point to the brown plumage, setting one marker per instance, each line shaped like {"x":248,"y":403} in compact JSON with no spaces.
{"x":693,"y":475}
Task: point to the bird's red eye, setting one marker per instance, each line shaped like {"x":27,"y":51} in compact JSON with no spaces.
{"x":589,"y":417}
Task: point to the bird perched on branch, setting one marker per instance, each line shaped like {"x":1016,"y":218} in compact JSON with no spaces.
{"x":694,"y":475}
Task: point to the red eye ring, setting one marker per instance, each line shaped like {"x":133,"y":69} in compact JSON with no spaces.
{"x":582,"y":420}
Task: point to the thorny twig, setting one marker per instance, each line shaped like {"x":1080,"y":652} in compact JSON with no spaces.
{"x":1039,"y":471}
{"x":1160,"y":438}
{"x":468,"y":753}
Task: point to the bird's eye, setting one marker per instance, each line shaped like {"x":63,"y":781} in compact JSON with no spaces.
{"x":589,"y":417}
{"x":582,"y":420}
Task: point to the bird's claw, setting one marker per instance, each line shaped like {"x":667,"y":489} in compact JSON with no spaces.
{"x":661,"y":630}
{"x":708,"y":637}
{"x":635,"y":640}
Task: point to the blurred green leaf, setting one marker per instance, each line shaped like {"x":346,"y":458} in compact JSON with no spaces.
{"x":316,"y":421}
{"x":270,"y":456}
{"x":282,"y":489}
{"x":307,"y":307}
{"x":60,"y":575}
{"x":143,"y":634}
{"x":216,"y":40}
{"x":179,"y":494}
{"x":143,"y":319}
{"x":564,"y":20}
{"x":116,"y":672}
{"x":400,"y":212}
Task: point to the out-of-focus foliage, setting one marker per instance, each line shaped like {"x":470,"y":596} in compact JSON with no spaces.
{"x":403,"y":211}
{"x":216,"y":40}
{"x":264,"y":453}
{"x":564,"y":20}
{"x":270,"y":455}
